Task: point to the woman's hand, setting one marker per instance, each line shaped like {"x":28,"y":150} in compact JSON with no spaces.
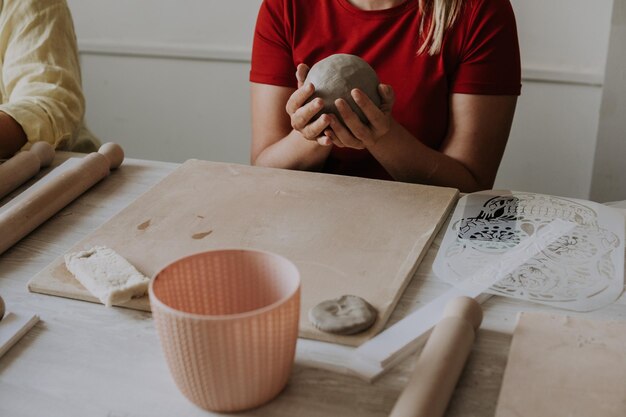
{"x":277,"y":134}
{"x":301,"y":112}
{"x":355,"y":133}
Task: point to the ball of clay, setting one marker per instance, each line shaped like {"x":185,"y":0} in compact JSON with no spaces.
{"x":1,"y":308}
{"x":335,"y":76}
{"x":346,"y":315}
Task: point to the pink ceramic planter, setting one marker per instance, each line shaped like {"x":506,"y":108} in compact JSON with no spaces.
{"x":228,"y":324}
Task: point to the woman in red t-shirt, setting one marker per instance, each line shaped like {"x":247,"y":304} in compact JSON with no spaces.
{"x":450,"y":77}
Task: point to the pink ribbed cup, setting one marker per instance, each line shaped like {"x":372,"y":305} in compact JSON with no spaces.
{"x":228,"y":324}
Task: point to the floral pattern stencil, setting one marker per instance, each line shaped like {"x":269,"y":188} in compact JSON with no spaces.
{"x":582,"y":271}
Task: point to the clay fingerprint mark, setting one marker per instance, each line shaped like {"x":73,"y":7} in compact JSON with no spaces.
{"x":144,"y":225}
{"x":201,"y":235}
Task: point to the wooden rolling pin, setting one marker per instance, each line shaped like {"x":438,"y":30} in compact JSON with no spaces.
{"x":36,"y":205}
{"x":23,"y":166}
{"x":442,"y":359}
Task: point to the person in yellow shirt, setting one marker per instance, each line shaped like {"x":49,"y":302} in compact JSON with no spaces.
{"x":41,"y":96}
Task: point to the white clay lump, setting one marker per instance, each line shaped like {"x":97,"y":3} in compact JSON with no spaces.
{"x":107,"y":275}
{"x":347,"y":315}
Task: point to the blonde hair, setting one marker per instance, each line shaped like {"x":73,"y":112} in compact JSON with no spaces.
{"x":437,"y":17}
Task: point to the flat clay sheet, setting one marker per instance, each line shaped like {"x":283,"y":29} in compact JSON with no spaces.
{"x":565,"y":366}
{"x":346,"y":235}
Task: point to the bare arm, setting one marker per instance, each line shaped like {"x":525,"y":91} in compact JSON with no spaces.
{"x":468,"y":158}
{"x":12,"y":136}
{"x":281,"y":121}
{"x":274,"y":142}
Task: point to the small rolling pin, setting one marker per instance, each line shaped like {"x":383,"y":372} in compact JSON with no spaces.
{"x":23,"y":166}
{"x":439,"y":366}
{"x":34,"y":207}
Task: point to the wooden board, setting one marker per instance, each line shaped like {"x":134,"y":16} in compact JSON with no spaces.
{"x":565,"y":366}
{"x":346,"y":235}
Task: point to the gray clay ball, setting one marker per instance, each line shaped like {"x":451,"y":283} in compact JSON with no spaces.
{"x":335,"y":76}
{"x":348,"y":314}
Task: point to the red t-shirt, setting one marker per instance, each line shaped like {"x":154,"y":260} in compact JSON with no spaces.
{"x":480,"y":55}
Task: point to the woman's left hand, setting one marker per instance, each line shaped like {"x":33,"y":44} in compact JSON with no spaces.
{"x":355,"y":133}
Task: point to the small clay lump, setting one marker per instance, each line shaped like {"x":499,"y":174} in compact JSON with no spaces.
{"x":335,"y":76}
{"x":346,"y":315}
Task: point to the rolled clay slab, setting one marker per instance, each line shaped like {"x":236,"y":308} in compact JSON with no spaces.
{"x":347,"y":315}
{"x":107,"y":275}
{"x":335,"y":76}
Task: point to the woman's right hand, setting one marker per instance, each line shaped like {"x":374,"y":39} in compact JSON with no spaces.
{"x":302,"y":112}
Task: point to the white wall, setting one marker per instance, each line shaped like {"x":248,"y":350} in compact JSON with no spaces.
{"x":168,"y":82}
{"x":609,"y":175}
{"x":552,"y":144}
{"x":171,"y":83}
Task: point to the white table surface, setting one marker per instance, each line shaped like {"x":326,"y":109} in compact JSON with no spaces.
{"x":83,"y":359}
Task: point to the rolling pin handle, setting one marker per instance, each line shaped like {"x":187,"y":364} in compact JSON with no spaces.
{"x":466,"y":308}
{"x":44,"y":152}
{"x":113,"y":153}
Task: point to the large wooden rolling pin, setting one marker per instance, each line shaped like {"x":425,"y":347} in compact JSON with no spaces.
{"x":439,"y":366}
{"x":34,"y":206}
{"x":23,"y":166}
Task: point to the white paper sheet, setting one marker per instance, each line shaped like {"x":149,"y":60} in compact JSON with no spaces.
{"x":13,"y":327}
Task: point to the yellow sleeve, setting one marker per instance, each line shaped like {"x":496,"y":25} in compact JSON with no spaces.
{"x":41,"y":84}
